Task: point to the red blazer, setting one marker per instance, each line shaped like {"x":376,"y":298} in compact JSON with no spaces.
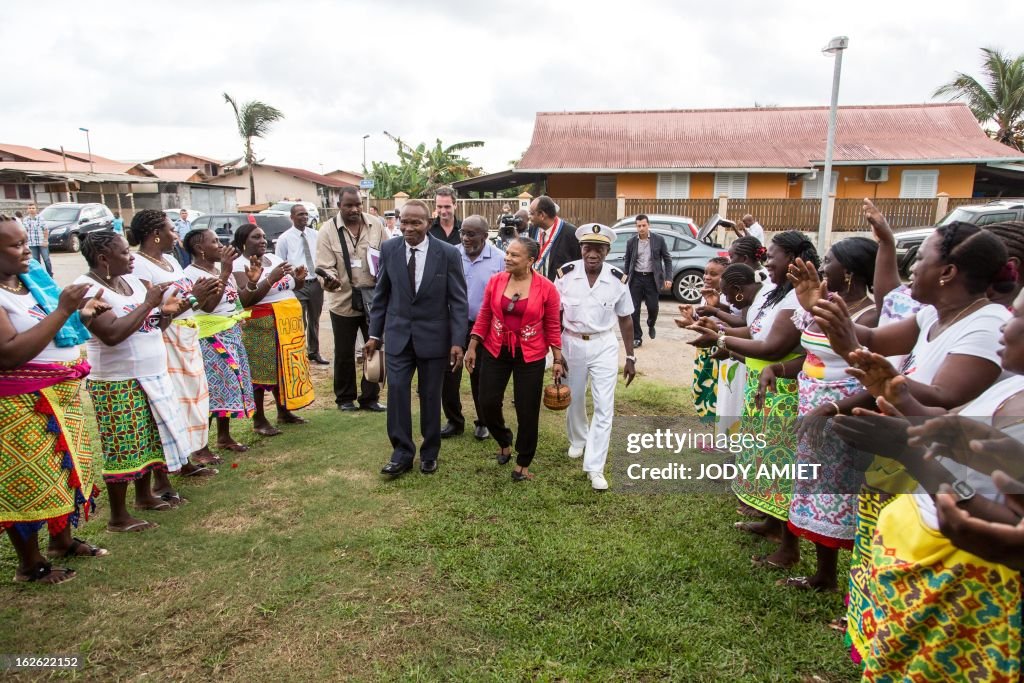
{"x":541,"y":321}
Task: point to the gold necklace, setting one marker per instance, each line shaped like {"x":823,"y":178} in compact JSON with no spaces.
{"x":205,"y":270}
{"x":160,"y":262}
{"x":109,"y":284}
{"x":15,"y":290}
{"x":852,"y":308}
{"x":946,"y":326}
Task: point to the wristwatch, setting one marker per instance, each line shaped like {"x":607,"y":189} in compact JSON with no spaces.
{"x":632,"y":358}
{"x":964,"y":492}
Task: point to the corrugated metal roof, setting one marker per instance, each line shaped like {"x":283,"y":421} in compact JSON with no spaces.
{"x":307,"y":175}
{"x":30,"y":153}
{"x":761,"y":138}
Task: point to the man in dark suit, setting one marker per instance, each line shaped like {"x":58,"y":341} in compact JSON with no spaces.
{"x":649,"y":267}
{"x":420,"y":309}
{"x":559,"y":245}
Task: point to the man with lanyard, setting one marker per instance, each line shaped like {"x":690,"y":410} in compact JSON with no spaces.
{"x":361,"y":232}
{"x":480,"y":260}
{"x":296,"y":246}
{"x":38,"y":238}
{"x":446,"y":226}
{"x":559,"y":245}
{"x":595,"y":299}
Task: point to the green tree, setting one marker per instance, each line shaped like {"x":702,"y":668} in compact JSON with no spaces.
{"x":254,"y":120}
{"x":421,"y":170}
{"x":996,"y":100}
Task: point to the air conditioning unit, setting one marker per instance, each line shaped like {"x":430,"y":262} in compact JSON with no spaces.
{"x":876,"y":174}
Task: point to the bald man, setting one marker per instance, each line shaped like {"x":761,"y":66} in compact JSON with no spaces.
{"x":749,"y":226}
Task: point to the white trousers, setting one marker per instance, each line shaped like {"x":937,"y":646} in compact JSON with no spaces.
{"x":596,"y":360}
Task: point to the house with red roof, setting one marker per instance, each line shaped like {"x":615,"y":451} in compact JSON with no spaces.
{"x":886,"y":151}
{"x":274,"y":183}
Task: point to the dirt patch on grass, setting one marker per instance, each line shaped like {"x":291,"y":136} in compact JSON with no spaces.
{"x":228,"y":523}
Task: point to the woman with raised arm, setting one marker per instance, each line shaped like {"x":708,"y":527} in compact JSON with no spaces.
{"x":274,"y":336}
{"x":155,"y":235}
{"x":44,"y":442}
{"x":769,"y":341}
{"x":220,"y":336}
{"x":140,"y":424}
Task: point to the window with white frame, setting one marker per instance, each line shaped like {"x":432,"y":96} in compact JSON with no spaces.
{"x":732,"y":185}
{"x":604,"y":187}
{"x":919,"y":184}
{"x":673,"y":186}
{"x":812,"y":188}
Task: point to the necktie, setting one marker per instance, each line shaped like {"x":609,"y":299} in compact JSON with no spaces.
{"x":309,"y":257}
{"x":412,"y":270}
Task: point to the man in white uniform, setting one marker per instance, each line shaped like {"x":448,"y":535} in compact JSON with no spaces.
{"x":595,"y":298}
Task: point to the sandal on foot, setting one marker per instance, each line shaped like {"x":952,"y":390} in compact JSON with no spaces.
{"x":519,"y":476}
{"x":74,"y":550}
{"x":234,"y":447}
{"x":200,"y":472}
{"x":764,"y":562}
{"x":46,"y":573}
{"x":204,"y":460}
{"x":174,"y":499}
{"x":162,"y":506}
{"x":504,"y":457}
{"x":141,"y":525}
{"x":267,"y":431}
{"x":802,"y":583}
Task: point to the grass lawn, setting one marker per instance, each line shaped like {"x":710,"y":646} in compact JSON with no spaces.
{"x":303,"y":563}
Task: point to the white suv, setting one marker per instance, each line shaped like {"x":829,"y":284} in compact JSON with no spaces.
{"x":284,"y":208}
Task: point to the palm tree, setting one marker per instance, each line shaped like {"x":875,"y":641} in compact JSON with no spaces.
{"x":1000,"y":100}
{"x":254,"y":119}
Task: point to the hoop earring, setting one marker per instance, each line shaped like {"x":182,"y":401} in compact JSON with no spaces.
{"x":156,"y":240}
{"x":739,"y":297}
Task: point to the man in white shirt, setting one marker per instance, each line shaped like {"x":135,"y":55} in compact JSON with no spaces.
{"x":296,"y":246}
{"x":749,"y":226}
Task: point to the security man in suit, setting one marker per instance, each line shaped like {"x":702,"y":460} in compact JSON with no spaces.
{"x":649,"y":269}
{"x":595,"y":298}
{"x":420,"y":310}
{"x":559,"y":245}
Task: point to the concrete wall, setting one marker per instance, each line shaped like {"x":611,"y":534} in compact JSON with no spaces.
{"x":271,"y":186}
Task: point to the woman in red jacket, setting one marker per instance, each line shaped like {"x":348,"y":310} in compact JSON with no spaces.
{"x":517,"y":324}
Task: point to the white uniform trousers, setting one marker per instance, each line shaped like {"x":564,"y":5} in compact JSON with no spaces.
{"x":596,"y":359}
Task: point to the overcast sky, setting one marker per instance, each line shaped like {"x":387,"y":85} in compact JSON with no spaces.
{"x":148,"y":78}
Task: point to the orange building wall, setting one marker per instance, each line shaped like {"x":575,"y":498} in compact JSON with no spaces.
{"x":572,"y":185}
{"x":956,"y":181}
{"x":637,"y":185}
{"x":767,"y":186}
{"x":702,"y":185}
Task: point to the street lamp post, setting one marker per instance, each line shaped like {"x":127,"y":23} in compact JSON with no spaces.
{"x":365,"y":170}
{"x":88,"y":145}
{"x":835,"y":47}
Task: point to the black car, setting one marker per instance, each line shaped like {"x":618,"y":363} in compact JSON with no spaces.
{"x":909,"y":241}
{"x":68,"y":223}
{"x":225,"y":225}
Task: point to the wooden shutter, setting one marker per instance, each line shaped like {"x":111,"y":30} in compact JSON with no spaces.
{"x":673,"y":186}
{"x":604,"y":187}
{"x":919,"y":184}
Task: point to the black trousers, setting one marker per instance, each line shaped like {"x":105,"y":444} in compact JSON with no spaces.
{"x":527,"y":389}
{"x":642,"y":287}
{"x":429,"y":373}
{"x":451,"y":401}
{"x":345,"y":331}
{"x":311,"y":297}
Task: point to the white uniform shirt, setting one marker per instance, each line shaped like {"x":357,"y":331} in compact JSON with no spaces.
{"x":591,"y":310}
{"x":756,"y":230}
{"x":289,"y":248}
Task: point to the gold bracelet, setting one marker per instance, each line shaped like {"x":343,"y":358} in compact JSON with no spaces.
{"x":836,"y":406}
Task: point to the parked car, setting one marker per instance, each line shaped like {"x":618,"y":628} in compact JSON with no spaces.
{"x":68,"y":223}
{"x":284,"y":208}
{"x":909,"y":241}
{"x":682,"y":224}
{"x":688,"y":260}
{"x":225,"y":225}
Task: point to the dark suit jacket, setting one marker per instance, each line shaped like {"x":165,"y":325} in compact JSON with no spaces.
{"x":436,"y":317}
{"x":565,"y":249}
{"x":661,"y":259}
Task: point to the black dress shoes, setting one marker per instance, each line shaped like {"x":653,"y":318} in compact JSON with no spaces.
{"x":450,"y":430}
{"x":637,"y":343}
{"x":650,"y":331}
{"x":480,"y":433}
{"x":428,"y":466}
{"x":394,"y":469}
{"x":374,"y":407}
{"x":349,"y":407}
{"x":318,"y":359}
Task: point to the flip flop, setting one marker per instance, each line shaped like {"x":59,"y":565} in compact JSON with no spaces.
{"x":763,"y":562}
{"x":72,"y":550}
{"x":162,"y":506}
{"x":201,"y":472}
{"x":42,"y":571}
{"x":802,"y":583}
{"x":174,"y":499}
{"x":209,"y":460}
{"x":134,"y":528}
{"x":234,"y":447}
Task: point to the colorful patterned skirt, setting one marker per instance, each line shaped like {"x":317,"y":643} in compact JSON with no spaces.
{"x":228,"y":374}
{"x":46,"y":460}
{"x":275,"y":340}
{"x":185,"y":368}
{"x":128,"y":431}
{"x":705,"y":385}
{"x":824,"y":509}
{"x":940,"y":613}
{"x":777,"y":421}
